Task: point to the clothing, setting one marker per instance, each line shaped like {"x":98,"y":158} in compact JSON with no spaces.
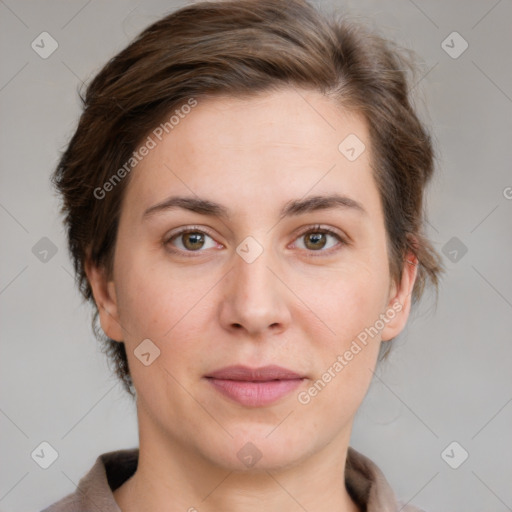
{"x":364,"y":480}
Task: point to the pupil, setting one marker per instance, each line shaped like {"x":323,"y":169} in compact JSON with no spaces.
{"x":193,"y":240}
{"x":315,"y":238}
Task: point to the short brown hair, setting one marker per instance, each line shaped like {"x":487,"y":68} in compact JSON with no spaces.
{"x":241,"y":48}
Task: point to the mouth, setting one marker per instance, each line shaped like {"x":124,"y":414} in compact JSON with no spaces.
{"x":255,"y":387}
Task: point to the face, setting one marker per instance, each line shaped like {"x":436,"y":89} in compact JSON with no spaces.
{"x":274,"y":257}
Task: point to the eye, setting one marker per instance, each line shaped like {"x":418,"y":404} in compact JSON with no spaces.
{"x":318,"y":239}
{"x":191,"y":240}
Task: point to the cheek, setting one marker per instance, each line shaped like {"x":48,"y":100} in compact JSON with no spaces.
{"x":159,"y":307}
{"x":169,"y":306}
{"x":346,"y":299}
{"x":350,"y":306}
{"x":150,"y":302}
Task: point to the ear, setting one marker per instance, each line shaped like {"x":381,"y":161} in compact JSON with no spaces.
{"x":399,"y":305}
{"x":104,"y":294}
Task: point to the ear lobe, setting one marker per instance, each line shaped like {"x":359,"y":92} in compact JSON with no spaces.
{"x":399,"y":305}
{"x":105,"y":298}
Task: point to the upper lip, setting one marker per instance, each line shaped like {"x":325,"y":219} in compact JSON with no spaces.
{"x":263,"y":373}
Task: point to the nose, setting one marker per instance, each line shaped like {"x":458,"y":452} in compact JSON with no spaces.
{"x":254,"y":297}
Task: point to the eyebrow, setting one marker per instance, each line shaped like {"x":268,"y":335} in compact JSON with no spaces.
{"x":291,"y":208}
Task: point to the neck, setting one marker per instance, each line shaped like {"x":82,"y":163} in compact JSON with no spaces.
{"x":172,"y":476}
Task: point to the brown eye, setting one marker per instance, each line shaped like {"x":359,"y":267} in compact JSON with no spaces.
{"x":315,"y":240}
{"x":191,"y":241}
{"x":320,"y":240}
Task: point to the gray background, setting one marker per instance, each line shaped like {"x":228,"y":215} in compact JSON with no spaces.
{"x":449,"y":377}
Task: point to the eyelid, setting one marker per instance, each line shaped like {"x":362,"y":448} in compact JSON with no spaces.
{"x":187,"y":229}
{"x":320,"y":227}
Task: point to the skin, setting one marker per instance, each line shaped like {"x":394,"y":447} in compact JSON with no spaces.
{"x":213,"y":309}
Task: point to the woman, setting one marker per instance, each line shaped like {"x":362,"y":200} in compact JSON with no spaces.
{"x":244,"y":205}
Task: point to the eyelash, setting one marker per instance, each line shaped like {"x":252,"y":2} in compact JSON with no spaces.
{"x":310,"y":253}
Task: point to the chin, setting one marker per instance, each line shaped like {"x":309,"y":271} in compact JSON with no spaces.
{"x":260,"y":448}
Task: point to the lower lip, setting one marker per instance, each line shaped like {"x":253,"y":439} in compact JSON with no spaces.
{"x":255,"y":394}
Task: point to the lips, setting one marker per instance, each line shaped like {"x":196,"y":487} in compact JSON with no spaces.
{"x":254,"y":387}
{"x":244,"y":373}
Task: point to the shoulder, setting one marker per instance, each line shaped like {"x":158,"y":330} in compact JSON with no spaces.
{"x":369,"y":487}
{"x":94,"y":491}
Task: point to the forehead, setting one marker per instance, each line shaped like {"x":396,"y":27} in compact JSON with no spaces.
{"x":277,"y":146}
{"x":302,"y":121}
